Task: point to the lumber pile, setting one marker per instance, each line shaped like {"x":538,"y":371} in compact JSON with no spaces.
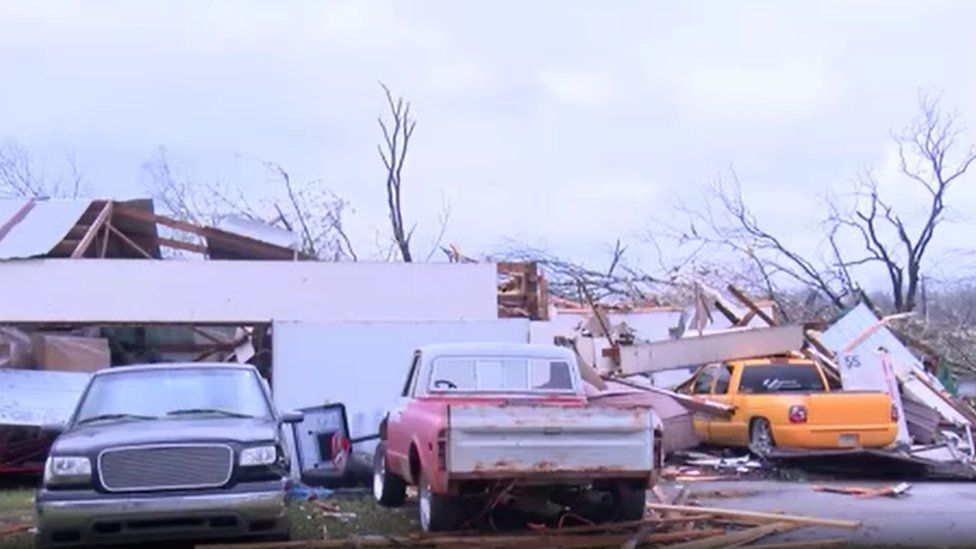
{"x":671,"y":523}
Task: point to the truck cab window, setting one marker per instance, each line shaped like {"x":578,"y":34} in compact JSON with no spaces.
{"x":780,"y":378}
{"x":723,"y":376}
{"x":703,"y":383}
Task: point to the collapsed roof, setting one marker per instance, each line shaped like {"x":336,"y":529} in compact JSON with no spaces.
{"x":93,"y":228}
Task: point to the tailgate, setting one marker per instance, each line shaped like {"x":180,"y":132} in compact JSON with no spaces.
{"x":849,"y":408}
{"x":599,"y":441}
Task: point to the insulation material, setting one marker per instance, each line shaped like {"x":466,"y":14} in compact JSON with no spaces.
{"x":34,"y":398}
{"x":71,"y":353}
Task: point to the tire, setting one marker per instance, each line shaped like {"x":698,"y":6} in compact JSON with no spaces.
{"x":629,"y":501}
{"x":389,"y":489}
{"x":761,"y":440}
{"x":437,"y":513}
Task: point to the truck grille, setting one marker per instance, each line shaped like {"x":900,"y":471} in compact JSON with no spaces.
{"x":165,"y":467}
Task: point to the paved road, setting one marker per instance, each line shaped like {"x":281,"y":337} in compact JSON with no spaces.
{"x":932,"y":514}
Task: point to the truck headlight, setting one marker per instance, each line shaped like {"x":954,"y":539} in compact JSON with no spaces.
{"x":67,"y":470}
{"x":258,"y":455}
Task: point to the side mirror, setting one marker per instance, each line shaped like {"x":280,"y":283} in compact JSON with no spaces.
{"x":292,"y":417}
{"x":53,"y":428}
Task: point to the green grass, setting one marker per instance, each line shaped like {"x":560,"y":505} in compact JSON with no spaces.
{"x":15,"y":509}
{"x":308,"y":522}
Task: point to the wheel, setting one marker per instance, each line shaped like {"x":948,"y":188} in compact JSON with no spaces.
{"x":761,"y":440}
{"x":629,"y":500}
{"x":389,"y":489}
{"x":437,"y":513}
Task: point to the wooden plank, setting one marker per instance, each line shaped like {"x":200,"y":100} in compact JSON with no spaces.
{"x":105,"y":238}
{"x":149,"y":217}
{"x":180,"y":245}
{"x":770,"y":517}
{"x":129,"y":241}
{"x":808,"y":544}
{"x":101,"y":219}
{"x":751,"y":305}
{"x":16,"y":218}
{"x":554,"y":539}
{"x":737,"y":539}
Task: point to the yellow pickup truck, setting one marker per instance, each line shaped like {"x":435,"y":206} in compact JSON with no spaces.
{"x":787,"y":403}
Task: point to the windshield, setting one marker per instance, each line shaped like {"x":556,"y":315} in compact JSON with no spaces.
{"x":174,"y":392}
{"x":505,"y":375}
{"x":779,"y":378}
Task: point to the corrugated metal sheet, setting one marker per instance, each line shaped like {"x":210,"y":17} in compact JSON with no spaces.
{"x":37,"y":397}
{"x":31,"y":228}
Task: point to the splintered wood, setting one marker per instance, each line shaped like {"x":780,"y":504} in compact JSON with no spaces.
{"x":894,"y":491}
{"x":668,"y":523}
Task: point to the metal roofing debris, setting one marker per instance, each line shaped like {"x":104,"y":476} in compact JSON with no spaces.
{"x":260,"y":231}
{"x":861,"y":333}
{"x":36,"y":397}
{"x":119,"y":229}
{"x":32,"y":228}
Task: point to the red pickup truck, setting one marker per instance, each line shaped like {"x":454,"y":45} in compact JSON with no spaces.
{"x":478,"y":423}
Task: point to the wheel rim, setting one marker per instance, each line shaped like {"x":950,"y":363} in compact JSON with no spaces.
{"x":424,"y":505}
{"x":762,"y":437}
{"x":379,"y":476}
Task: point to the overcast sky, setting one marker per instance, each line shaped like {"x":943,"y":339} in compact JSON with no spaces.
{"x":562,"y":124}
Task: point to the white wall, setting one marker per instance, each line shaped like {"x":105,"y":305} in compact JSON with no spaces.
{"x":119,"y":290}
{"x":364,"y":364}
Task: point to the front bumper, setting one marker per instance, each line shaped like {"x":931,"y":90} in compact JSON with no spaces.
{"x":84,"y":517}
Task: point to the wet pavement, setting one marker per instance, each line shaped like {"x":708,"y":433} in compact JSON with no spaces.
{"x":931,"y":514}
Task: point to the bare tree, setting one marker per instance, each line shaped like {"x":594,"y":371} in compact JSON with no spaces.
{"x":929,"y":161}
{"x":393,"y":152}
{"x":19,"y":177}
{"x":310,"y":210}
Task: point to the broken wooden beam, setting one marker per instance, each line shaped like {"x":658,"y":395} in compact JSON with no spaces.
{"x":742,"y":537}
{"x":767,"y":517}
{"x":103,"y":216}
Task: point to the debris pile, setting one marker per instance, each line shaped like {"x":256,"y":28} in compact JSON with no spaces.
{"x":672,"y":523}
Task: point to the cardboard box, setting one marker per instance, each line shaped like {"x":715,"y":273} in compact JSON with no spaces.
{"x":71,"y":353}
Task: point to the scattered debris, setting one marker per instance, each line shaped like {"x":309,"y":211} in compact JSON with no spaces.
{"x":893,"y":491}
{"x":303,"y":492}
{"x":15,"y":529}
{"x":689,"y":527}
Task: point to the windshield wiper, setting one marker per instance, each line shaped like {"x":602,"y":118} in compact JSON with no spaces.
{"x":101,"y":417}
{"x":190,"y":411}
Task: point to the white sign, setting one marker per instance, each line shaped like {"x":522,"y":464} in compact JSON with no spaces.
{"x":863,"y":370}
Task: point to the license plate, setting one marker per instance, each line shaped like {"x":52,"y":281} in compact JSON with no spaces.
{"x":847,"y":440}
